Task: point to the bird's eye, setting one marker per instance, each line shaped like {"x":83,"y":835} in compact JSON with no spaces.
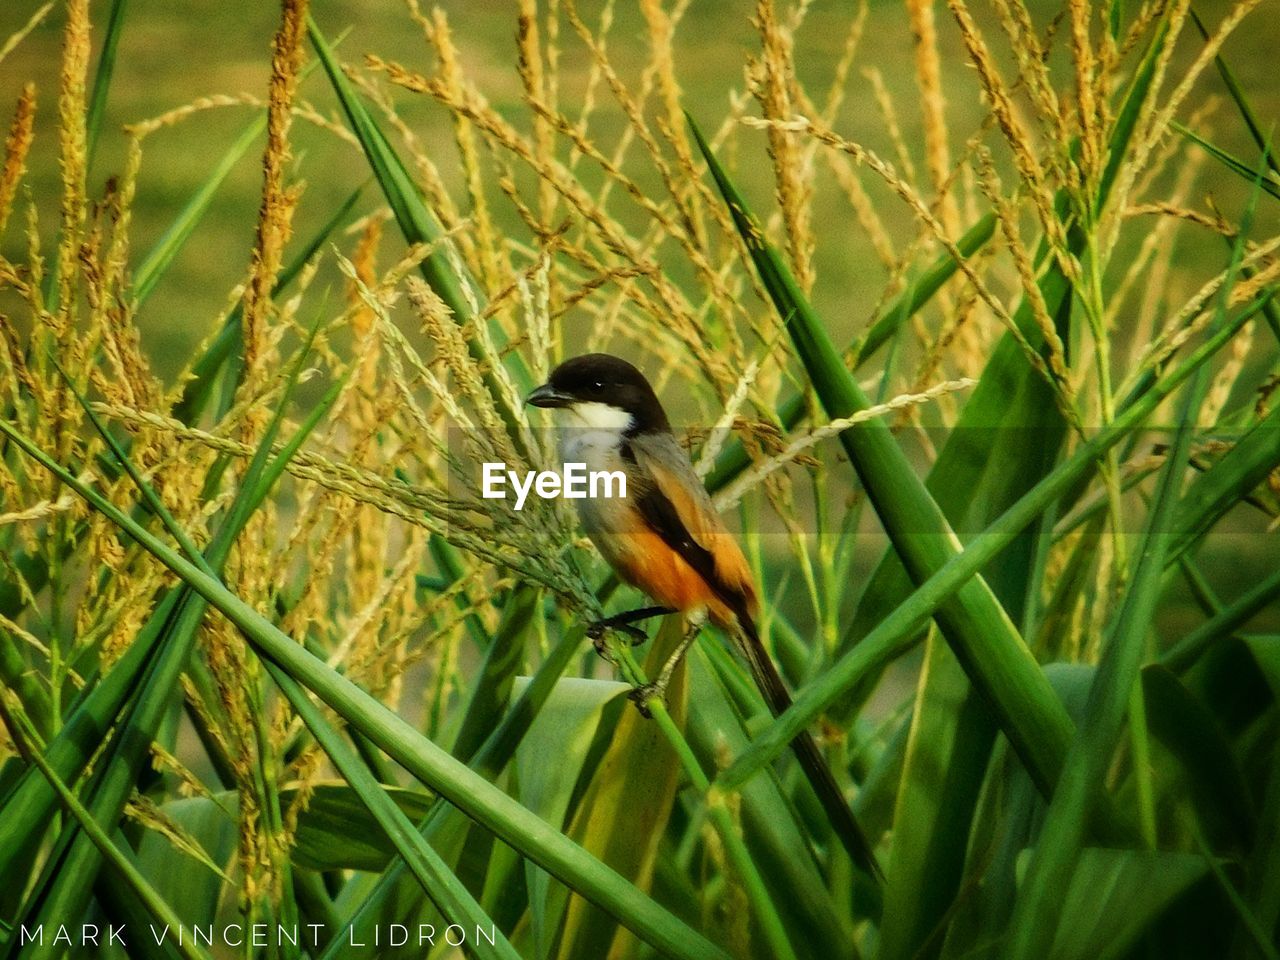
{"x":597,"y":387}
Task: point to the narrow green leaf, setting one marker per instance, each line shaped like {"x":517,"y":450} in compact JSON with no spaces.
{"x":1266,"y":651}
{"x":624,"y":814}
{"x":1114,"y":895}
{"x":26,"y":806}
{"x":1263,"y":865}
{"x":565,"y":729}
{"x":157,"y":261}
{"x":119,"y":861}
{"x":1252,"y":939}
{"x":1115,"y":18}
{"x":946,"y":761}
{"x":734,"y":459}
{"x":1238,"y":95}
{"x":1213,"y":492}
{"x":1131,"y":109}
{"x":973,"y":622}
{"x":417,"y":223}
{"x":102,"y":77}
{"x":336,"y":831}
{"x":776,"y":834}
{"x":445,"y":826}
{"x":1234,"y":164}
{"x":502,"y":661}
{"x":1213,"y":778}
{"x":16,"y":675}
{"x":1231,"y":618}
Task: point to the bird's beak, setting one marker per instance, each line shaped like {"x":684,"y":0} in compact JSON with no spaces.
{"x":548,"y":396}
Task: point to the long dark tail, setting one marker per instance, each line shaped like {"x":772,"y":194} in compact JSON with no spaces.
{"x":806,"y":750}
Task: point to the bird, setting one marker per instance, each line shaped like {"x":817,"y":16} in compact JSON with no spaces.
{"x":665,"y":537}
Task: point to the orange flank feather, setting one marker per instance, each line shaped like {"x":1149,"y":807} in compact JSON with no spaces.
{"x":643,"y":559}
{"x":699,"y":517}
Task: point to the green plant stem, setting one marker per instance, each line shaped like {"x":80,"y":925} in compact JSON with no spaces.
{"x":765,"y":912}
{"x":1140,"y":744}
{"x":1231,"y":618}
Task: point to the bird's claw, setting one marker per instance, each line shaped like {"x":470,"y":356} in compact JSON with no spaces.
{"x":642,"y":695}
{"x":597,"y":641}
{"x":597,"y":630}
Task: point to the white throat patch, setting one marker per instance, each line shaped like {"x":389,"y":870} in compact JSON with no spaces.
{"x":599,"y":416}
{"x":592,"y":434}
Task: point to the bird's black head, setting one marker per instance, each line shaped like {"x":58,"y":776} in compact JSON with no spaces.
{"x":600,"y":388}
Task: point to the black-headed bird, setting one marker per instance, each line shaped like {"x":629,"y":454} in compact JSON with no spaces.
{"x":666,"y":538}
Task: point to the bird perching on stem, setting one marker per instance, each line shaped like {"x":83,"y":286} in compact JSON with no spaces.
{"x":666,"y":538}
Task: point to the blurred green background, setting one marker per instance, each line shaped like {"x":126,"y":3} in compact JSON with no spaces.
{"x":175,"y":51}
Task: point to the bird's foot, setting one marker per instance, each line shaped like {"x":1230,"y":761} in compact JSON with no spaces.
{"x":645,"y":694}
{"x":624,"y":623}
{"x":656,"y":689}
{"x":596,"y":631}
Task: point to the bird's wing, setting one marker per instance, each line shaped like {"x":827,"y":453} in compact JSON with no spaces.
{"x":672,"y":500}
